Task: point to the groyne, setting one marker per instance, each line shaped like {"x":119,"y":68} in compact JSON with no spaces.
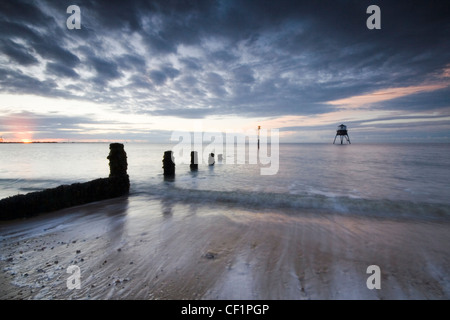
{"x":64,"y":196}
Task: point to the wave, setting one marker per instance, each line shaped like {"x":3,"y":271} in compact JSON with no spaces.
{"x":317,"y":201}
{"x":6,"y":182}
{"x":336,"y":204}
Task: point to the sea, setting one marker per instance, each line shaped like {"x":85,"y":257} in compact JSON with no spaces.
{"x":396,"y":181}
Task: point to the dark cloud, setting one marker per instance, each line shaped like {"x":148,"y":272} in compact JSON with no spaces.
{"x":17,"y":52}
{"x":106,"y":69}
{"x":55,"y":52}
{"x":18,"y":30}
{"x":244,"y":74}
{"x":131,"y":62}
{"x":139,"y":81}
{"x":222,"y":56}
{"x":24,"y":12}
{"x":61,"y":70}
{"x":18,"y":82}
{"x":157,"y":44}
{"x":227,"y":57}
{"x":191,"y":64}
{"x":158,"y":77}
{"x":170,"y":72}
{"x":215,"y":84}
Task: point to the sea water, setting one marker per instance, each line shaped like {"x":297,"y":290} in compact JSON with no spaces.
{"x":389,"y":180}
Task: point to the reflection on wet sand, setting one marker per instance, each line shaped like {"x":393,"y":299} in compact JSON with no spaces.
{"x":142,"y":248}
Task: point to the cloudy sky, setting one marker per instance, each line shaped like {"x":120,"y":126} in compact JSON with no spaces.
{"x":138,"y":70}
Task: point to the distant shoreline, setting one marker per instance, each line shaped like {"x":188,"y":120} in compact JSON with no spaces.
{"x":59,"y":142}
{"x":20,"y":142}
{"x":164,"y":143}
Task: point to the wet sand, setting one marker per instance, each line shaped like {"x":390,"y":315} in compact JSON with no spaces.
{"x":140,"y":248}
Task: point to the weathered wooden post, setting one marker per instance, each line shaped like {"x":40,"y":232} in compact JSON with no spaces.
{"x":118,"y":166}
{"x":117,"y":160}
{"x":194,"y":161}
{"x":211,"y":160}
{"x":168,"y":164}
{"x":259,"y":128}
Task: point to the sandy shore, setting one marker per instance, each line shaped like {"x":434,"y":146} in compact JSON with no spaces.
{"x":137,"y":248}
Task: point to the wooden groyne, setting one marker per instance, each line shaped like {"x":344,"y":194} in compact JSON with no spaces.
{"x":117,"y":184}
{"x":211,"y":160}
{"x":194,"y":161}
{"x":168,"y":164}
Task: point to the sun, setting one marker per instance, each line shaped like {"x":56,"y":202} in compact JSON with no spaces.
{"x":27,"y":141}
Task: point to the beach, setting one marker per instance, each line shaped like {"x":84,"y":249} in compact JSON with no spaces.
{"x":312,"y":231}
{"x":146,"y":248}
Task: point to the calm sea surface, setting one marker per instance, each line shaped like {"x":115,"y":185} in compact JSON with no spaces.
{"x":374,"y":179}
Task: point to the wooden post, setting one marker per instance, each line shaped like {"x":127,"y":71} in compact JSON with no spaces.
{"x":194,"y":161}
{"x":259,"y":128}
{"x":117,"y":160}
{"x":118,"y":177}
{"x":168,"y":164}
{"x":211,"y":160}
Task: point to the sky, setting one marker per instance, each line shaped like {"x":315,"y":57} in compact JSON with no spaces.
{"x":137,"y":71}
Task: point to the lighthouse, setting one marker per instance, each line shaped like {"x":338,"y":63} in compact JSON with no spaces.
{"x":342,"y":133}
